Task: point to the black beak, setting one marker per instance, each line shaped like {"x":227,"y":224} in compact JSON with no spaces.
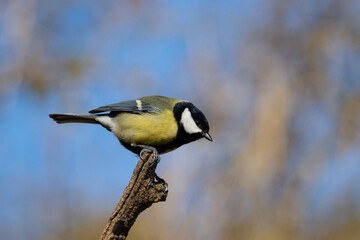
{"x":207,"y":136}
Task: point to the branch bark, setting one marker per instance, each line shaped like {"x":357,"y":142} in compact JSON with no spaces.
{"x":143,"y":190}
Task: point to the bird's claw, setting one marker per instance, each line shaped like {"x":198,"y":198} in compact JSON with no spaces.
{"x":149,"y":149}
{"x":160,"y":180}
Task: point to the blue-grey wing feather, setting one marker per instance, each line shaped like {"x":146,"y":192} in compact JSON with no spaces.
{"x":131,"y":106}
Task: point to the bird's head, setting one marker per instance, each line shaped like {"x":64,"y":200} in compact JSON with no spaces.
{"x":191,"y":121}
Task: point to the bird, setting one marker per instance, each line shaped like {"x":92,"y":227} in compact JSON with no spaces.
{"x":156,"y":124}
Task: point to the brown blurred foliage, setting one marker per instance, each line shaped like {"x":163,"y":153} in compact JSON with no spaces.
{"x":30,"y":57}
{"x":261,"y":194}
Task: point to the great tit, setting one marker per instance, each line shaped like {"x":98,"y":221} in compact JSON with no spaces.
{"x":153,"y":123}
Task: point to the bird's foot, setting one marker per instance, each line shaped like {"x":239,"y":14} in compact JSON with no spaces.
{"x":158,"y":179}
{"x":149,"y":149}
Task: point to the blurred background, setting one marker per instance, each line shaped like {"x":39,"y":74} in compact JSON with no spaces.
{"x":278,"y":80}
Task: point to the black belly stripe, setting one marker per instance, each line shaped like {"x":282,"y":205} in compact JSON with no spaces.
{"x":180,"y":139}
{"x":160,"y":148}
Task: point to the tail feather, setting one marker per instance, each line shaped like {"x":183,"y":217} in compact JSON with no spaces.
{"x":74,"y":118}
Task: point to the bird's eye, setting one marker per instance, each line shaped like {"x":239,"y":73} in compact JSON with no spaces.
{"x":197,"y":122}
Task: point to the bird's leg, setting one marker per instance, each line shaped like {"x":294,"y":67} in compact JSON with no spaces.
{"x":156,"y":159}
{"x":160,"y":180}
{"x":149,"y":149}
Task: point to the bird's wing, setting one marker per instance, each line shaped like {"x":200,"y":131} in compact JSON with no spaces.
{"x":132,"y":106}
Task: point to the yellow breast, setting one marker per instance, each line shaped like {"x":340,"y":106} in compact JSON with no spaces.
{"x":146,"y":128}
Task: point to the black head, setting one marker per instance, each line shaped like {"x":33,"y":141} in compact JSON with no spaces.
{"x":192,"y":122}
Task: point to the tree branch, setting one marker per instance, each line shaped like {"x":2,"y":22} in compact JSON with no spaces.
{"x":143,"y":190}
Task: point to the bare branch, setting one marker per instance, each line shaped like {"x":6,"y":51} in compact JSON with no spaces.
{"x":143,"y":190}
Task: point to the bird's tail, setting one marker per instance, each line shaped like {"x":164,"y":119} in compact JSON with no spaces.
{"x":74,"y":118}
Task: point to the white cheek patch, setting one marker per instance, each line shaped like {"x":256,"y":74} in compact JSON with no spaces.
{"x":139,"y":104}
{"x":188,"y":122}
{"x":107,"y":121}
